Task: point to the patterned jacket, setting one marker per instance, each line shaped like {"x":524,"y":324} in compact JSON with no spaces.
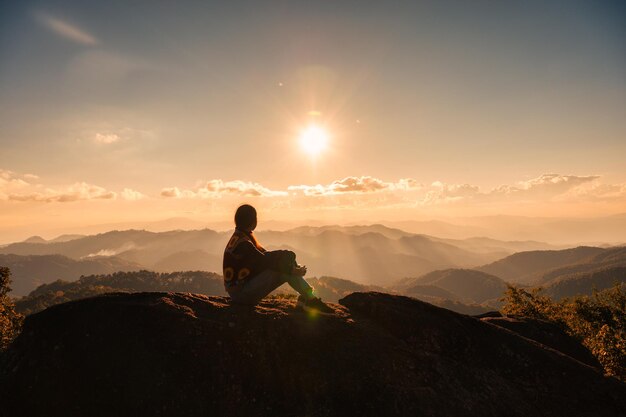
{"x":244,"y":258}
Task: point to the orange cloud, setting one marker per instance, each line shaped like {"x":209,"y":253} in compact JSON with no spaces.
{"x":237,"y":187}
{"x":218,"y":188}
{"x":441,"y":192}
{"x":546,"y":184}
{"x":131,"y":195}
{"x":350,"y":192}
{"x":16,"y":187}
{"x":174,"y":192}
{"x":106,"y":138}
{"x":76,"y":192}
{"x":544,"y":188}
{"x":357,"y":185}
{"x":11,"y":182}
{"x":170,"y":192}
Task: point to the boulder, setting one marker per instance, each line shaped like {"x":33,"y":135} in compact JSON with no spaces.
{"x":179,"y":354}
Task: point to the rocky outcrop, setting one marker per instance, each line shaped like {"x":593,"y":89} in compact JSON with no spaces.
{"x":162,"y":354}
{"x":548,"y":334}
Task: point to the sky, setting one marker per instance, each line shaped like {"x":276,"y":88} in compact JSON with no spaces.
{"x":145,"y":110}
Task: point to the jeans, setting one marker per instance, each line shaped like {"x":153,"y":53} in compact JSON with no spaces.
{"x":259,"y":286}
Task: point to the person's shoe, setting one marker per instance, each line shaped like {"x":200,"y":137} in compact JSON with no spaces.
{"x":314,"y":305}
{"x":300,"y":302}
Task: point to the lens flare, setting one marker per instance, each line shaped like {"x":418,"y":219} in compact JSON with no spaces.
{"x":313,"y":140}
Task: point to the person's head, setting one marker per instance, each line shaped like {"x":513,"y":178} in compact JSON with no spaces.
{"x":245,"y":217}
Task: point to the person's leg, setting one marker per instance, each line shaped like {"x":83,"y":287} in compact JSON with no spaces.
{"x":267,"y":281}
{"x":307,"y":300}
{"x":298,"y":283}
{"x":257,"y":287}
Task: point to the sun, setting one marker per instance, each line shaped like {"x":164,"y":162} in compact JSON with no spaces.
{"x":313,"y":140}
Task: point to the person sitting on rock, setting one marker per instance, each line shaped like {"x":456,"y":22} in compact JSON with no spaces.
{"x":251,"y":272}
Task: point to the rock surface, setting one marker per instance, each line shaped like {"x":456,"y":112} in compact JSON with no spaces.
{"x":548,"y":334}
{"x":162,"y":354}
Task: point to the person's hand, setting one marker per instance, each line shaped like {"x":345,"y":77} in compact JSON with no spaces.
{"x":299,"y":270}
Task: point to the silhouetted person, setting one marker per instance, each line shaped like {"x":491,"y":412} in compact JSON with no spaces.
{"x":251,"y":272}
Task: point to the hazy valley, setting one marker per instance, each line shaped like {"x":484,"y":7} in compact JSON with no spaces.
{"x":465,"y":275}
{"x":369,"y":255}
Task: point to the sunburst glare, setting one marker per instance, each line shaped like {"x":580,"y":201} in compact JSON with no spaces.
{"x":313,"y":140}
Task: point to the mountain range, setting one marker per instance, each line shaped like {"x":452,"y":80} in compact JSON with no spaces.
{"x":30,"y":271}
{"x":468,"y":275}
{"x":542,"y":268}
{"x":370,"y":255}
{"x":330,"y":289}
{"x":596,"y":231}
{"x":529,"y":267}
{"x":464,"y":285}
{"x":593,"y":231}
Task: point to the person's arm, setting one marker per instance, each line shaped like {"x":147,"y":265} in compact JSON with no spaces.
{"x":281,"y":260}
{"x":254,"y":257}
{"x":277,"y":260}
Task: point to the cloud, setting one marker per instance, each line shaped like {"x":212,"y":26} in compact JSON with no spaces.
{"x":131,"y":195}
{"x":558,"y":180}
{"x":15,"y":187}
{"x":170,"y":192}
{"x":367,"y":191}
{"x":10,"y":182}
{"x":356,"y":185}
{"x":597,"y":191}
{"x":76,"y":192}
{"x":175,"y":192}
{"x":408,"y":184}
{"x":66,"y":30}
{"x":103,"y":134}
{"x":111,"y":252}
{"x":218,"y":188}
{"x":364,"y":192}
{"x":349,"y":185}
{"x":441,"y":192}
{"x":545,"y":185}
{"x":106,"y":138}
{"x":544,"y":188}
{"x":237,"y":187}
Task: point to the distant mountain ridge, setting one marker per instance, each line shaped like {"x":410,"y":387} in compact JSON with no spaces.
{"x":462,"y":290}
{"x":388,"y":232}
{"x":370,"y":255}
{"x":60,"y":238}
{"x":563,"y":232}
{"x":567,"y":231}
{"x":35,"y":239}
{"x":528,"y":267}
{"x":61,"y":291}
{"x":30,"y":271}
{"x":609,"y":258}
{"x":466,"y":284}
{"x":330,"y":289}
{"x":373,"y":257}
{"x":584,"y":283}
{"x":562,"y":273}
